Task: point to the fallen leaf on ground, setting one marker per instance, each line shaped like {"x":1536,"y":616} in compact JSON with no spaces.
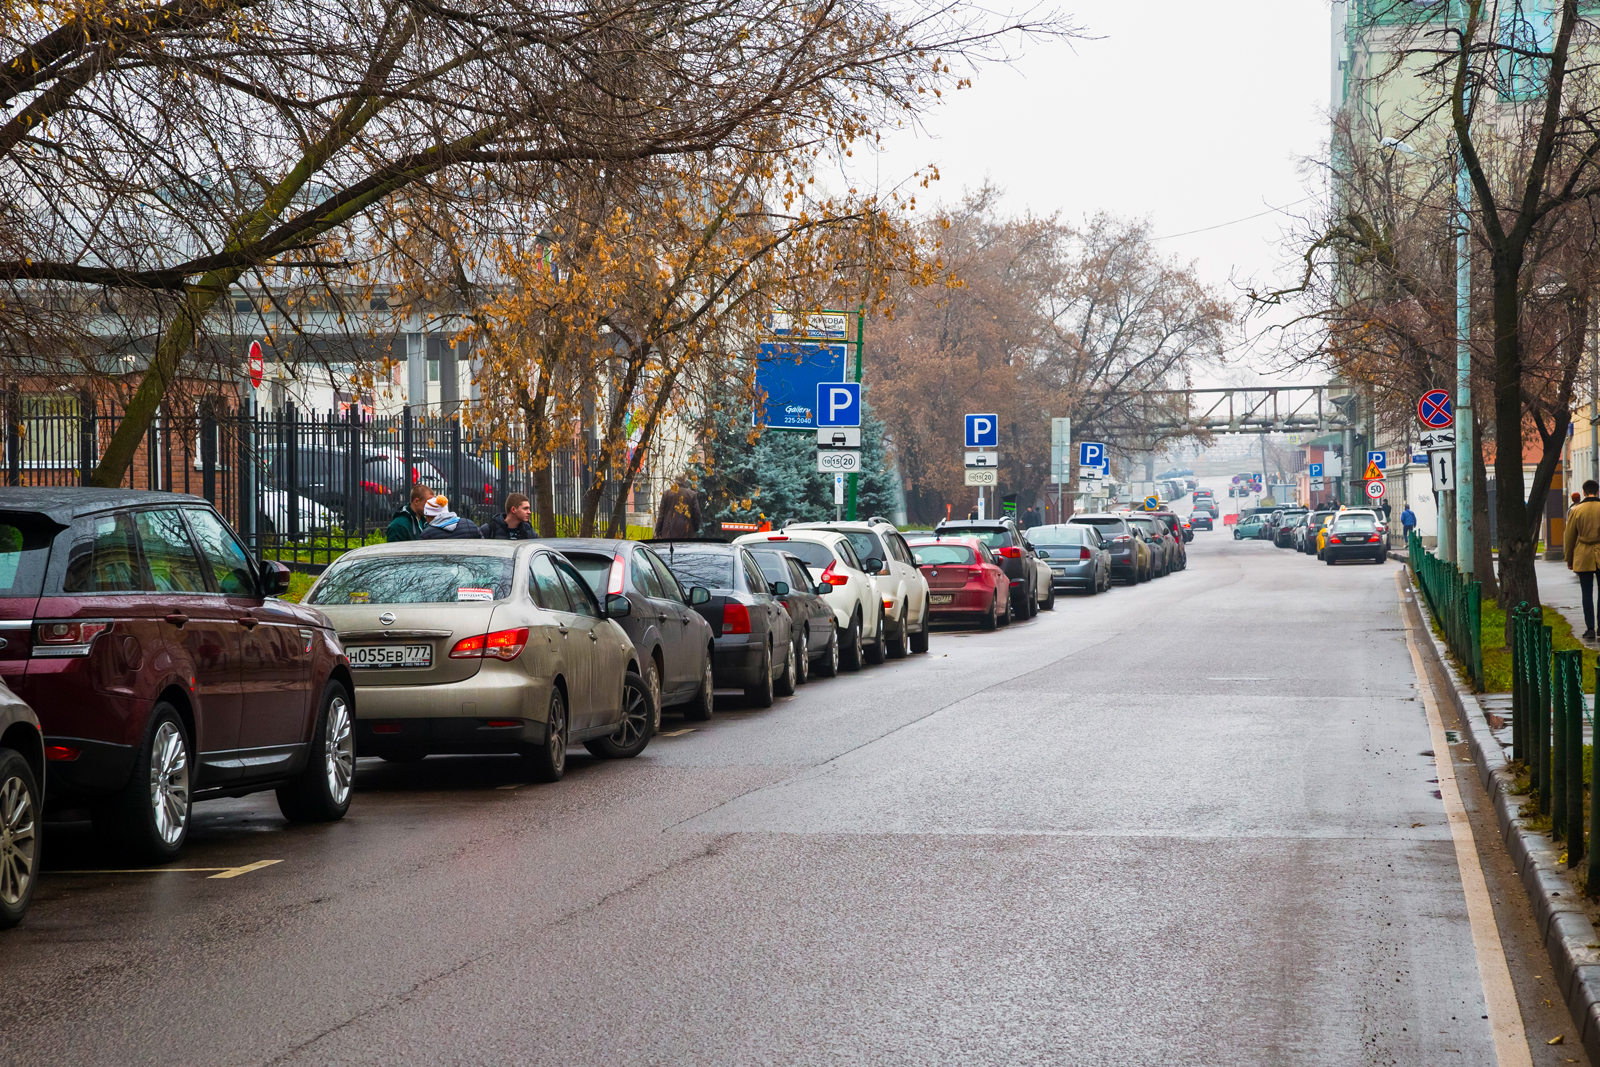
{"x":1554,"y":1040}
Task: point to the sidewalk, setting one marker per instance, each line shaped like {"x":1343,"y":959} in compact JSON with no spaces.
{"x":1558,"y":587}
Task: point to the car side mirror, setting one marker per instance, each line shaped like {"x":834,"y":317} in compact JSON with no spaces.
{"x":699,"y":595}
{"x":780,"y":588}
{"x":822,"y":589}
{"x":916,"y":557}
{"x":618,"y":606}
{"x":274,"y":578}
{"x":873,"y":565}
{"x":1044,"y":553}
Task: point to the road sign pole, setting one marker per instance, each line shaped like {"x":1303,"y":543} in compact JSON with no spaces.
{"x":853,"y":479}
{"x":1463,"y":473}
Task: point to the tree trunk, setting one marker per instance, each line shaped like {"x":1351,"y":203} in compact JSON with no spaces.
{"x":1518,"y":582}
{"x":544,"y":503}
{"x":1482,"y":550}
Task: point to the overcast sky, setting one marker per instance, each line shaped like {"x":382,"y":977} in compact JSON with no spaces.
{"x":1193,"y":115}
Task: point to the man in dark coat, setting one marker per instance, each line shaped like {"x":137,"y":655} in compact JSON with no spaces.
{"x":680,"y":511}
{"x":515,"y":525}
{"x":408,"y":522}
{"x":444,"y":524}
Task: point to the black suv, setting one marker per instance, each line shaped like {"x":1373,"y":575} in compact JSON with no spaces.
{"x":1015,"y":553}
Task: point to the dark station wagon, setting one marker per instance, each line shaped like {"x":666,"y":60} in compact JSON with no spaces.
{"x":162,"y":667}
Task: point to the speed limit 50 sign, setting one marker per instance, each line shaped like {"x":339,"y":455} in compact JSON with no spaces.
{"x":1375,"y":490}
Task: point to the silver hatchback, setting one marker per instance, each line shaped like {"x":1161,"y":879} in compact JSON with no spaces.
{"x":484,"y":646}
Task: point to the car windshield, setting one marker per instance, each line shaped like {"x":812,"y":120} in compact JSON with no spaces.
{"x":595,"y":568}
{"x":1147,"y":525}
{"x":993,"y":536}
{"x":1059,"y":536}
{"x":941,"y":553}
{"x":696,"y":566}
{"x":1108,"y":525}
{"x":24,"y":547}
{"x":810,"y":553}
{"x":412,"y":579}
{"x":1355,"y":522}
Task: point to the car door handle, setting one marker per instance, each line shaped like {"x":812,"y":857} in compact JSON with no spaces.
{"x":563,"y":630}
{"x":178,"y":618}
{"x":249,"y":622}
{"x":593,"y":636}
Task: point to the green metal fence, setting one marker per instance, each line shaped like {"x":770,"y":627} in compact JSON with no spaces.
{"x":1456,"y":603}
{"x":1547,"y":718}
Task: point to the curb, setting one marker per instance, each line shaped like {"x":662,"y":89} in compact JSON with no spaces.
{"x":1564,"y":927}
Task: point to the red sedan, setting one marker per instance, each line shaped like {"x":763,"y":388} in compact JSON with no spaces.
{"x":964,"y":578}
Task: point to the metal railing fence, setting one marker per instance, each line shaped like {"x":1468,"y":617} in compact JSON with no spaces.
{"x":1457,"y":605}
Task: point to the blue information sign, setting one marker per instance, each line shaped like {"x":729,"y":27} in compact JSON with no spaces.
{"x":788,"y":374}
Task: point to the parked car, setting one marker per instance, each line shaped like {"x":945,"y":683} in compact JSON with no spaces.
{"x":900,"y":585}
{"x":754,"y":639}
{"x":324,"y":476}
{"x":1250,"y":527}
{"x":1174,"y":526}
{"x":1022,"y":565}
{"x":309,"y":516}
{"x":1077,"y":555}
{"x":816,"y":635}
{"x":164,"y":668}
{"x":1201,"y":519}
{"x":1283,"y":521}
{"x":1355,"y":535}
{"x":1163,"y":553}
{"x":21,"y":802}
{"x":672,"y":642}
{"x":482,"y":647}
{"x":831,"y":561}
{"x":1130,"y":554}
{"x":1305,"y":534}
{"x":966,"y":579}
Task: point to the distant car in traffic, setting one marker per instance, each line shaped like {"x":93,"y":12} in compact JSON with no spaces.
{"x":1355,"y":536}
{"x":1201,"y":519}
{"x":965,"y":579}
{"x":1163,"y":546}
{"x":1077,"y":555}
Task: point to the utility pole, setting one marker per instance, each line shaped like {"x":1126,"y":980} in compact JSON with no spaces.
{"x":1464,"y":458}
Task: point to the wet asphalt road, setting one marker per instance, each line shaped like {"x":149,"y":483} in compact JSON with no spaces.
{"x":1189,"y":822}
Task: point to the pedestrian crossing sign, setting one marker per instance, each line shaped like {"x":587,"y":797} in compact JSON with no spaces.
{"x":1373,"y":473}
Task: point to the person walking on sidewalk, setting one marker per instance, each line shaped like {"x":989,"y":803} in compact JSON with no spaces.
{"x":1582,"y":545}
{"x":1408,"y":522}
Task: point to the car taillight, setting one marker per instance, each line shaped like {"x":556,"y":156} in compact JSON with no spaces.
{"x":374,"y":487}
{"x":831,"y":578}
{"x":416,"y":476}
{"x":67,"y":638}
{"x":1011,"y":552}
{"x":1333,"y":540}
{"x":502,"y":644}
{"x":1374,"y":537}
{"x":735,"y":618}
{"x":618,"y":573}
{"x":888,"y":603}
{"x":488,"y":493}
{"x":1083,"y":553}
{"x":1120,"y":539}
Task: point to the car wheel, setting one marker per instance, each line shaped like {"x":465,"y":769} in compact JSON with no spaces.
{"x":802,"y":657}
{"x":19,"y":836}
{"x":785,"y":684}
{"x":1050,"y":598}
{"x":878,"y":651}
{"x":900,"y":645}
{"x":705,"y":701}
{"x":633,"y":732}
{"x":854,"y":656}
{"x":652,"y":681}
{"x":759,"y":694}
{"x":322,"y":791}
{"x":829,"y":667}
{"x":919,"y":640}
{"x":991,"y":620}
{"x":1328,"y":560}
{"x":1010,"y":615}
{"x":550,"y":759}
{"x":1033,"y":605}
{"x":149,"y":817}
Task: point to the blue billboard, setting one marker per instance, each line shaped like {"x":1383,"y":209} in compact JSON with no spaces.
{"x":790,"y":367}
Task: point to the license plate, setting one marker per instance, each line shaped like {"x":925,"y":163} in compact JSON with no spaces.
{"x":1059,"y":570}
{"x":376,"y":657}
{"x":940,"y":599}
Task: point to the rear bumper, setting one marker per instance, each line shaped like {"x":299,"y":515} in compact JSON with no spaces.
{"x":380,"y":737}
{"x":966,"y":601}
{"x":495,"y":692}
{"x":737,"y":660}
{"x":1376,"y":550}
{"x":101,"y":769}
{"x":1078,"y":575}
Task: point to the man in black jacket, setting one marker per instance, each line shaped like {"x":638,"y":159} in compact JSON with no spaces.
{"x":515,"y":525}
{"x":444,"y":524}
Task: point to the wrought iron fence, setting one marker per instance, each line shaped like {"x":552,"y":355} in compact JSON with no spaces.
{"x":1456,"y":603}
{"x":298,"y":486}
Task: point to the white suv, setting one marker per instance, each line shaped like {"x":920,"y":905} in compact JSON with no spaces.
{"x":844,"y":586}
{"x":899,"y":582}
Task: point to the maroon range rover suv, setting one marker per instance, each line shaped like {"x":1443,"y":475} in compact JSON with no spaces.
{"x":161,"y":667}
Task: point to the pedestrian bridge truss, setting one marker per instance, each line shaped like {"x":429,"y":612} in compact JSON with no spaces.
{"x":1249,"y":409}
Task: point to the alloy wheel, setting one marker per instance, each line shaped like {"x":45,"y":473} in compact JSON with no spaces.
{"x":18,"y":841}
{"x":339,"y":752}
{"x":169,"y":783}
{"x":635,"y":717}
{"x":556,"y":733}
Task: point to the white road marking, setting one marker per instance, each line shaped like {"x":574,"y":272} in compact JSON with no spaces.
{"x":1500,"y":997}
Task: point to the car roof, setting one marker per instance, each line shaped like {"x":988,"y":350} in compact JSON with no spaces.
{"x":443,"y":546}
{"x":765,"y":537}
{"x":972,"y":524}
{"x":608,"y":545}
{"x":63,"y":503}
{"x":855,"y":526}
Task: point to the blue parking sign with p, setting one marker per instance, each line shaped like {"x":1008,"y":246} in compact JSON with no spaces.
{"x":1379,"y":459}
{"x":983,"y":431}
{"x":1091,"y":454}
{"x":1316,"y":470}
{"x":839,"y":404}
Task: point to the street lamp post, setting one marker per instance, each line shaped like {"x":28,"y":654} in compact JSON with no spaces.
{"x":1464,"y":456}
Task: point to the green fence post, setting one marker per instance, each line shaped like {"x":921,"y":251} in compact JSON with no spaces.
{"x":1475,"y":633}
{"x":1593,"y":886}
{"x":1558,"y":744}
{"x":1573,"y":746}
{"x":1519,"y":703}
{"x":1542,"y":711}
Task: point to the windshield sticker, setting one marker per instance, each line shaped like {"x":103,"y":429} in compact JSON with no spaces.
{"x":360,"y":597}
{"x":466,"y":593}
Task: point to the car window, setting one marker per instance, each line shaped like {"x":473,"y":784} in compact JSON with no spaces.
{"x":994,"y":537}
{"x":866,"y":544}
{"x":847,"y":554}
{"x":174,"y":568}
{"x":595,"y":570}
{"x":695,"y":566}
{"x":104,"y":557}
{"x":1356,"y":522}
{"x":669,"y":583}
{"x":24,"y":549}
{"x":230,"y":567}
{"x":583,"y":601}
{"x":754,"y":580}
{"x":774,"y":567}
{"x":937,"y":554}
{"x":988,"y":554}
{"x":414,"y":580}
{"x":798,"y":578}
{"x":545,"y":585}
{"x":645,"y":577}
{"x":810,"y":553}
